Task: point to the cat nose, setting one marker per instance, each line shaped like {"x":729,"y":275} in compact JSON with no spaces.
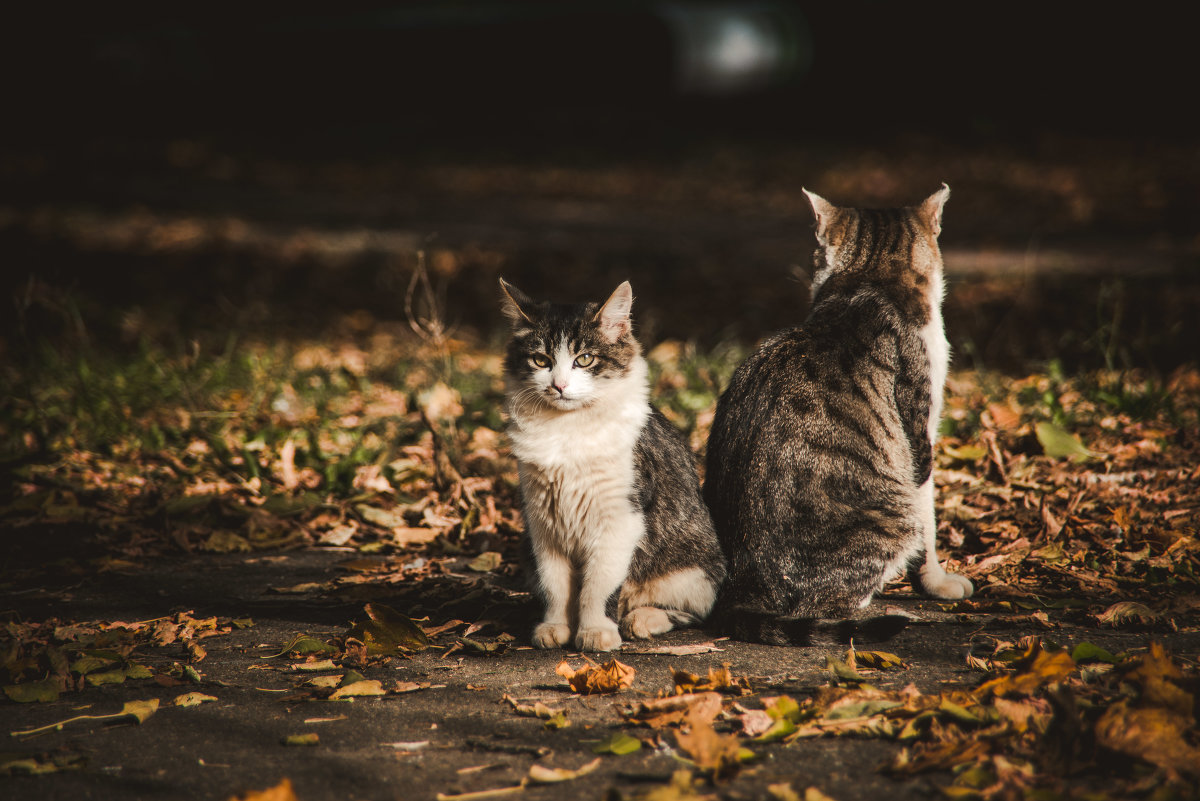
{"x":560,"y":386}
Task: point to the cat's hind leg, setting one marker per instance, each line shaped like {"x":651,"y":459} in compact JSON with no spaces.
{"x":933,"y":578}
{"x":658,"y":605}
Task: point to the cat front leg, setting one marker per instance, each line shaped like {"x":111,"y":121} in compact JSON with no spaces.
{"x":604,"y":572}
{"x":934,"y":579}
{"x":554,"y":580}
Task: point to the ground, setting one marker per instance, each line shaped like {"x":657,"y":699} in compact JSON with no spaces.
{"x":253,"y":440}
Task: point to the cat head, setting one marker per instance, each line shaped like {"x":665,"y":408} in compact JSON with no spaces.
{"x":568,"y":356}
{"x":899,"y":244}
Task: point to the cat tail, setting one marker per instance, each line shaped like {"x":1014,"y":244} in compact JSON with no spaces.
{"x":756,"y":625}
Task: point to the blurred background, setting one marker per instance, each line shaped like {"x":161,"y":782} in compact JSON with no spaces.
{"x":177,"y":175}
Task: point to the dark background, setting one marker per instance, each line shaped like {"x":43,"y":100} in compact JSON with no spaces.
{"x":564,"y":145}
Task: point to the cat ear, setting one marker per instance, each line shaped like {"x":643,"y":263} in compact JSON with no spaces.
{"x":931,"y":209}
{"x":515,"y":304}
{"x":613,"y":316}
{"x":823,"y":210}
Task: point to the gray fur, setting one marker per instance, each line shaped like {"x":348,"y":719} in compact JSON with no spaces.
{"x":820,"y":455}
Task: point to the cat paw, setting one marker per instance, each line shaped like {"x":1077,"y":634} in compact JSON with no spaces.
{"x":644,"y":622}
{"x":948,"y":586}
{"x":551,"y":635}
{"x":604,"y":637}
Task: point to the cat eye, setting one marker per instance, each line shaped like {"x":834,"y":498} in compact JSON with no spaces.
{"x":585,"y":360}
{"x":539,"y":361}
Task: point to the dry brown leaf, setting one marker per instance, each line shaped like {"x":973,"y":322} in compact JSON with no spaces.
{"x":593,"y":679}
{"x":1153,"y":734}
{"x":719,"y":679}
{"x":662,"y":712}
{"x":720,"y":755}
{"x":1046,"y":668}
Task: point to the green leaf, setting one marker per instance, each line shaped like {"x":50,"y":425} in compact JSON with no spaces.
{"x":389,"y":633}
{"x":966,"y":453}
{"x":861,"y":709}
{"x":40,"y":691}
{"x":1060,"y":444}
{"x":784,"y":707}
{"x":842,"y":671}
{"x":101,"y":678}
{"x":1088,"y":652}
{"x":779,"y":729}
{"x":619,"y":744}
{"x":304,"y":645}
{"x":557,"y":721}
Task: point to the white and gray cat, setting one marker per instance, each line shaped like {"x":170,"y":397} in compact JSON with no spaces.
{"x":611,"y":499}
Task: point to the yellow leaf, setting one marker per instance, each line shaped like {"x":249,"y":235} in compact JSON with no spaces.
{"x":302,"y":740}
{"x":367,"y":687}
{"x":280,"y":792}
{"x":192,"y":699}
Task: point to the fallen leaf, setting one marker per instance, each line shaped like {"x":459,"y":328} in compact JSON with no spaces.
{"x":659,"y":713}
{"x":192,"y":699}
{"x":39,"y":764}
{"x":535,"y":710}
{"x":304,"y":645}
{"x":411,"y":746}
{"x":486,"y":562}
{"x":1127,"y":612}
{"x":719,"y":755}
{"x":387,"y":632}
{"x":878,"y":660}
{"x":280,"y":792}
{"x":480,"y":795}
{"x":681,"y":650}
{"x":1059,"y":444}
{"x":1155,"y":734}
{"x":1087,"y":652}
{"x":28,"y":692}
{"x":719,"y":679}
{"x":592,"y":679}
{"x":359,"y":689}
{"x":619,"y":744}
{"x":1046,"y":668}
{"x":304,"y":740}
{"x":543,"y":775}
{"x":140,"y":711}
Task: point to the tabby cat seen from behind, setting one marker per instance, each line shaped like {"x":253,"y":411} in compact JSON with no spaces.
{"x":610,"y":495}
{"x":820,"y":459}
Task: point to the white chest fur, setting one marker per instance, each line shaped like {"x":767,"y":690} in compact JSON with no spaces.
{"x":577,"y":472}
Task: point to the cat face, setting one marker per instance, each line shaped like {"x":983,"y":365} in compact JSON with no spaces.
{"x":567,"y":356}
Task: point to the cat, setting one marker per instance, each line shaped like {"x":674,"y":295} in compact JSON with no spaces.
{"x":610,"y":493}
{"x":819,"y":466}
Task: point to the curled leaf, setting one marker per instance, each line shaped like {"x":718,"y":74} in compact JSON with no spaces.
{"x":592,"y":679}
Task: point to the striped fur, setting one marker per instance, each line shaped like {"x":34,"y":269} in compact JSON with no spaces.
{"x":610,"y":496}
{"x":820,"y":458}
